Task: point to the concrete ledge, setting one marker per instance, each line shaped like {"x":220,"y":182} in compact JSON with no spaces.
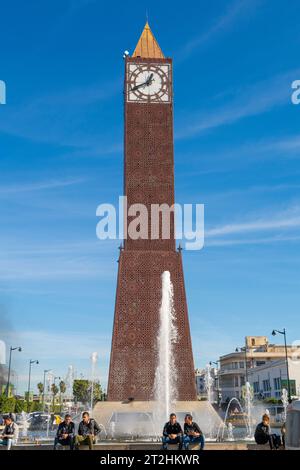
{"x":261,"y":447}
{"x":121,"y":446}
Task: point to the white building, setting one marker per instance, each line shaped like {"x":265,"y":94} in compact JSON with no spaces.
{"x":268,"y":380}
{"x":236,"y":366}
{"x":201,"y":376}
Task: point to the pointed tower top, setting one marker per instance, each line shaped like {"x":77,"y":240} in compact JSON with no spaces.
{"x":147,"y":46}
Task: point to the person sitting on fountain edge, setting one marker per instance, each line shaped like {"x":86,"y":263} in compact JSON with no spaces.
{"x":172,"y":433}
{"x":10,"y":432}
{"x":87,"y":431}
{"x":65,"y":433}
{"x":263,"y":434}
{"x":192,"y":433}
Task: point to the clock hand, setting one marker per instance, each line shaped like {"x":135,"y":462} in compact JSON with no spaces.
{"x":138,"y":86}
{"x":150,"y":79}
{"x":148,"y":82}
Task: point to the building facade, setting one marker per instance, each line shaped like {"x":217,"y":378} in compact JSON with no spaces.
{"x":268,"y":380}
{"x":235,"y":367}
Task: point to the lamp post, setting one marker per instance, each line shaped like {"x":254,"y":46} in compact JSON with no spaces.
{"x":283,"y":332}
{"x":35,"y":361}
{"x":244,"y":350}
{"x":9,"y":367}
{"x":44,"y":385}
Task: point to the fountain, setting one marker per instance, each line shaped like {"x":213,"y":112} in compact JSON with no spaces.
{"x":248,"y":397}
{"x":24,"y":423}
{"x":208,"y":383}
{"x":285,"y":402}
{"x":165,"y":375}
{"x":94,"y":359}
{"x":144,"y":420}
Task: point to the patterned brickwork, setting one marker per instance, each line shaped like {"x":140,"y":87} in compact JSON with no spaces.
{"x":148,"y":179}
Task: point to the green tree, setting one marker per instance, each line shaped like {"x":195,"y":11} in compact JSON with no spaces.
{"x":54,"y":390}
{"x":40,"y":387}
{"x":81,"y":390}
{"x":37,"y":406}
{"x":21,"y":405}
{"x":97,"y":395}
{"x":7,"y":404}
{"x":62,"y":387}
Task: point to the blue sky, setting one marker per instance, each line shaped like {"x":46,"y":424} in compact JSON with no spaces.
{"x":237,"y":149}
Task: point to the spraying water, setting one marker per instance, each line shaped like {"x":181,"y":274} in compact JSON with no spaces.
{"x":285,"y":402}
{"x":165,"y":375}
{"x":249,"y":406}
{"x":94,"y":359}
{"x":208,"y":382}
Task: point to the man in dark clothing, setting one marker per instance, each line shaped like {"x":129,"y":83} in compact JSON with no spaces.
{"x":87,"y":431}
{"x":192,"y":433}
{"x":263,"y":434}
{"x":65,"y":433}
{"x":172,"y":433}
{"x":10,"y":433}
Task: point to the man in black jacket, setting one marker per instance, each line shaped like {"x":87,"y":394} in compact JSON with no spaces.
{"x":172,"y":433}
{"x":10,"y":432}
{"x":192,"y":433}
{"x":263,"y":434}
{"x":65,"y":433}
{"x":87,"y":431}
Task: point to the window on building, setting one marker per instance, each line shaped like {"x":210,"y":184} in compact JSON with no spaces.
{"x":236,"y":381}
{"x":242,"y":380}
{"x":226,"y":382}
{"x":266,"y":386}
{"x":260,"y":363}
{"x":253,"y":341}
{"x":256,"y":387}
{"x":242,"y":365}
{"x":277,"y":383}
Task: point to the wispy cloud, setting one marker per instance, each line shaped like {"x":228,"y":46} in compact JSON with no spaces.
{"x":266,"y":228}
{"x":222,"y":24}
{"x":261,"y":224}
{"x":40,"y":186}
{"x":252,"y":241}
{"x":248,"y":101}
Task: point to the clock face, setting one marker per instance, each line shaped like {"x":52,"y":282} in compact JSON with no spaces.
{"x":148,"y":83}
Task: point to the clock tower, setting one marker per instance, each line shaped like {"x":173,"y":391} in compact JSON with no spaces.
{"x":148,"y":179}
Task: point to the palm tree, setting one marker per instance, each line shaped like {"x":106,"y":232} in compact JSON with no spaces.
{"x":54,"y":390}
{"x":62,"y":390}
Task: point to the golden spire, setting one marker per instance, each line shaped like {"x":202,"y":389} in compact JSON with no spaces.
{"x":148,"y":47}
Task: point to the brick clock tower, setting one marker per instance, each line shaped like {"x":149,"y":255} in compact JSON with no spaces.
{"x":148,"y":179}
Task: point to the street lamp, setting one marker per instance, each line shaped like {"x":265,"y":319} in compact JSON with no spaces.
{"x":44,"y":385}
{"x":18,"y":348}
{"x":283,"y":332}
{"x":35,"y":361}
